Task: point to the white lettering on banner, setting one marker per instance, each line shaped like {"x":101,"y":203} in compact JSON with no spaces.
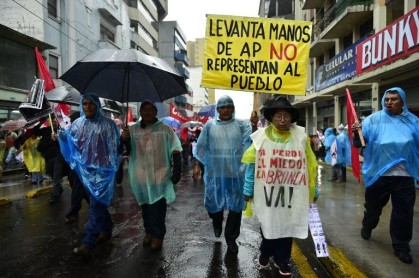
{"x":174,"y":111}
{"x":394,"y":40}
{"x":340,"y":60}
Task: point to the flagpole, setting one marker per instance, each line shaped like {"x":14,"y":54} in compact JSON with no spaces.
{"x":361,"y":137}
{"x":50,"y":123}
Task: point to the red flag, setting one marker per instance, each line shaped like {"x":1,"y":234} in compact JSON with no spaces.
{"x":352,"y":118}
{"x":49,"y":83}
{"x":130,"y":118}
{"x":44,"y":72}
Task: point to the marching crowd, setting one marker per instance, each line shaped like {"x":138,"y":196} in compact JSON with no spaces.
{"x":237,"y":162}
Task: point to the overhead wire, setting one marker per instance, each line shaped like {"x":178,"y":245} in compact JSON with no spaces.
{"x":79,"y":44}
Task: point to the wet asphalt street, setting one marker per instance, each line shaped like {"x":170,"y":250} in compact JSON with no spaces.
{"x":35,"y":241}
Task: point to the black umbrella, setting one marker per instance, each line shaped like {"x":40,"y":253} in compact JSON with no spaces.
{"x":125,"y":75}
{"x":64,"y":94}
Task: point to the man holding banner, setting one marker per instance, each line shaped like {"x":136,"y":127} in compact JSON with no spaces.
{"x":390,"y":168}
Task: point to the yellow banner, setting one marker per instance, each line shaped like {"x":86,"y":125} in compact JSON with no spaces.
{"x":256,"y":54}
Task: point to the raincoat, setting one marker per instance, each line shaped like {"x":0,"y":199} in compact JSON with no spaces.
{"x":90,"y":147}
{"x":33,"y":159}
{"x":334,"y":154}
{"x":283,"y":183}
{"x":345,"y":144}
{"x":150,"y":162}
{"x":390,"y":140}
{"x":220,"y":147}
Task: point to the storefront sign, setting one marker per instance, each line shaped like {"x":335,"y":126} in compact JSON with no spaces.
{"x":338,"y":69}
{"x":396,"y":41}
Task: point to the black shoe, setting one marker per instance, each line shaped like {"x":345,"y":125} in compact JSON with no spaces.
{"x":365,"y":233}
{"x":233,"y":248}
{"x":218,"y":228}
{"x":404,"y":256}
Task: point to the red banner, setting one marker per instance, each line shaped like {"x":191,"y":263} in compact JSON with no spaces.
{"x":49,"y":83}
{"x":352,"y":118}
{"x":396,"y":41}
{"x":174,"y":113}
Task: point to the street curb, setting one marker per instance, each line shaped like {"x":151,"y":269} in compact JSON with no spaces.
{"x":5,"y":202}
{"x":38,"y":192}
{"x":338,"y":265}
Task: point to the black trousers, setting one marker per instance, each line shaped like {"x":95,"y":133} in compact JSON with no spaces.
{"x":403,"y":196}
{"x":232,"y":227}
{"x":278,"y":248}
{"x":78,"y":193}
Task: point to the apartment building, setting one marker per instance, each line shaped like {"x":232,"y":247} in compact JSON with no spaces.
{"x":65,"y":32}
{"x":365,"y":46}
{"x":173,"y":49}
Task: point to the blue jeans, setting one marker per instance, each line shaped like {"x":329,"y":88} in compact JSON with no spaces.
{"x":99,"y":221}
{"x":154,"y":217}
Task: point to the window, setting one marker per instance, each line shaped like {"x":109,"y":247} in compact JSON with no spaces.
{"x":106,"y":34}
{"x":394,"y":10}
{"x":53,"y":66}
{"x":53,"y":8}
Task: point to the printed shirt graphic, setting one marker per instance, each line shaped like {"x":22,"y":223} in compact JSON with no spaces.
{"x":281,"y":192}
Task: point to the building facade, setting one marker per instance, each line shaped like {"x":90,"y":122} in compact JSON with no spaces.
{"x":65,"y":32}
{"x":365,"y":46}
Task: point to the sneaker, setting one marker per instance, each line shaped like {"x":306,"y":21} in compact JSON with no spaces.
{"x":284,"y":270}
{"x":82,"y":251}
{"x":156,"y":244}
{"x":404,"y":256}
{"x":262,"y":262}
{"x":365,"y":233}
{"x":147,"y":240}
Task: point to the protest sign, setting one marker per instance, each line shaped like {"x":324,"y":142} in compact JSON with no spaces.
{"x":316,"y":230}
{"x":256,"y":54}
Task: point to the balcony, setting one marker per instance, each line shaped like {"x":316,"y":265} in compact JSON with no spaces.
{"x":312,"y":4}
{"x":339,"y":20}
{"x":183,"y":71}
{"x":182,"y":57}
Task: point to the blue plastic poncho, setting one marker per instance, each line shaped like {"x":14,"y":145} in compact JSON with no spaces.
{"x":150,"y":162}
{"x":390,"y":140}
{"x":220,"y":148}
{"x":90,"y":147}
{"x":345,"y":144}
{"x":329,"y":140}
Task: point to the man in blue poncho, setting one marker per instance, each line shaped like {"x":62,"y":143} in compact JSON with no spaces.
{"x":220,"y":148}
{"x":345,"y":144}
{"x":391,"y":164}
{"x":334,"y":154}
{"x":90,"y":146}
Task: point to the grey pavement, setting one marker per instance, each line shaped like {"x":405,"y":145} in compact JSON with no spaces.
{"x":32,"y":231}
